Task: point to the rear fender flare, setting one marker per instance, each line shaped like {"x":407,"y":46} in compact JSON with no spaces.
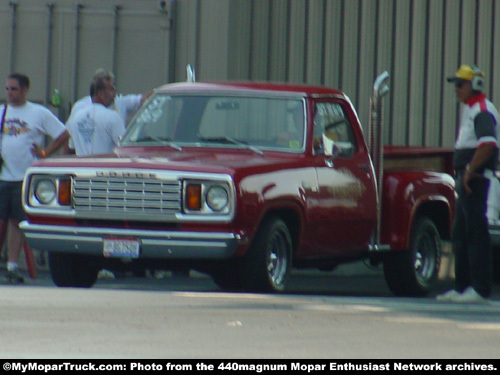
{"x":407,"y":195}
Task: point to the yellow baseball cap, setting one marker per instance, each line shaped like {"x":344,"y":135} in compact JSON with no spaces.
{"x":465,"y":73}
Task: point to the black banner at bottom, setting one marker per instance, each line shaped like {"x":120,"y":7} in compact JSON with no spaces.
{"x":249,"y":366}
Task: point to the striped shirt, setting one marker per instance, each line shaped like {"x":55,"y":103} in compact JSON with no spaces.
{"x":478,"y":126}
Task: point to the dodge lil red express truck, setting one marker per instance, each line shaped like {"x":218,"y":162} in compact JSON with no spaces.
{"x":244,"y":181}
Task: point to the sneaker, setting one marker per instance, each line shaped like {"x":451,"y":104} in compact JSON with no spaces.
{"x":14,"y":277}
{"x":448,"y":296}
{"x":469,"y":296}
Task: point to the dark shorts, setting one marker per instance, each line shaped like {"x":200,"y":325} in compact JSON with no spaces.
{"x":10,"y":200}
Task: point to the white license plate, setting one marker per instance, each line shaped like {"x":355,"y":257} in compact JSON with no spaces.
{"x":121,"y":248}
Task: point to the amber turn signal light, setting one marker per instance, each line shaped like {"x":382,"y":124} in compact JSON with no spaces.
{"x":193,"y":197}
{"x":64,"y":193}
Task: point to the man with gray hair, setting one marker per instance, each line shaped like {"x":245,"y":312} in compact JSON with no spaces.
{"x":125,"y":105}
{"x":95,"y":128}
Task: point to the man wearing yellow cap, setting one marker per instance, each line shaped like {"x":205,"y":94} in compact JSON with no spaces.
{"x":475,"y":158}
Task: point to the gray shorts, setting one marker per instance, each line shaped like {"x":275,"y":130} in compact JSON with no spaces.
{"x":11,"y":201}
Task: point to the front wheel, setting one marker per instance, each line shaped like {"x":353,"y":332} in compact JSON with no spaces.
{"x":414,"y":272}
{"x":69,"y":270}
{"x":266,"y":266}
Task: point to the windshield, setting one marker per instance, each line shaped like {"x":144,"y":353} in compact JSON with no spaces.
{"x":223,"y":121}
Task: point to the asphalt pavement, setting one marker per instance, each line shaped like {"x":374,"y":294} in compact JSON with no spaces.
{"x":356,"y":280}
{"x":322,"y":315}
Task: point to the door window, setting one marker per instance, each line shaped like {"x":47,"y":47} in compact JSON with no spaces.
{"x":332,"y":130}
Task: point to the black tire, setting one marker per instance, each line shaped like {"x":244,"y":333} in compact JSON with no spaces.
{"x":69,"y":270}
{"x":267,"y":264}
{"x":414,"y":272}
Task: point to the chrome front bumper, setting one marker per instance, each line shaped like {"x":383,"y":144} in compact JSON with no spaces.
{"x":153,"y":244}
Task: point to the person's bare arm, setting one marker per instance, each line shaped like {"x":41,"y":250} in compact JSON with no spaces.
{"x":59,"y":142}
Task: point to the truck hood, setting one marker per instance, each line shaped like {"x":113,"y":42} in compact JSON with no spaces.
{"x":227,"y":161}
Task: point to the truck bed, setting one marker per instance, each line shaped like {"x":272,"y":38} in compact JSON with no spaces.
{"x":418,"y":158}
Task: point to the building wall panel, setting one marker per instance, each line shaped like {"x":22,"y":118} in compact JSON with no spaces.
{"x":127,"y":36}
{"x":278,"y":40}
{"x":350,"y":61}
{"x":485,"y":38}
{"x":315,"y":42}
{"x":214,"y":39}
{"x":333,"y":54}
{"x":367,"y":53}
{"x":31,"y":30}
{"x":494,"y":81}
{"x":239,"y":38}
{"x":260,"y":46}
{"x":433,"y":75}
{"x":452,"y":60}
{"x":385,"y":54}
{"x":186,"y":36}
{"x":297,"y":53}
{"x":417,"y":72}
{"x":339,"y":43}
{"x":400,"y":77}
{"x":151,"y":64}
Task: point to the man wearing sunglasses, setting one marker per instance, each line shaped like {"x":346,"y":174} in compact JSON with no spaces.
{"x":475,"y":159}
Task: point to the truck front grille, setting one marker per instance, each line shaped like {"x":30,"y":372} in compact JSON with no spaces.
{"x":126,"y":197}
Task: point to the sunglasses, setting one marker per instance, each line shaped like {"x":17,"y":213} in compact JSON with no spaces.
{"x":459,"y":84}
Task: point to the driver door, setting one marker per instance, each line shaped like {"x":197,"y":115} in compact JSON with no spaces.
{"x":346,"y":210}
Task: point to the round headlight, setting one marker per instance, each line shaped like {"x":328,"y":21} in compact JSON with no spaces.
{"x":217,"y":198}
{"x":45,"y":191}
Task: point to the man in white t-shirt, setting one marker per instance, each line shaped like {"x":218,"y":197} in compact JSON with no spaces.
{"x":95,"y":128}
{"x":24,"y":127}
{"x":125,"y":105}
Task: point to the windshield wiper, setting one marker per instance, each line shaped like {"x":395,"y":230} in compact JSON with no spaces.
{"x":232,"y":141}
{"x":161,"y":140}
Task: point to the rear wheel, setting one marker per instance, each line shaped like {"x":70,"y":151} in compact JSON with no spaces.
{"x":414,"y":272}
{"x":69,"y":270}
{"x":266,"y":266}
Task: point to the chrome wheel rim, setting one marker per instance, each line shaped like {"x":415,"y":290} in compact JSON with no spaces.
{"x":425,"y":260}
{"x":277,"y":259}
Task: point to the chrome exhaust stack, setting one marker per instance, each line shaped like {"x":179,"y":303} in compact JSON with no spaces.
{"x":376,"y":145}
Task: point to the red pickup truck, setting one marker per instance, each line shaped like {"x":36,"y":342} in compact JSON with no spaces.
{"x":243,"y":181}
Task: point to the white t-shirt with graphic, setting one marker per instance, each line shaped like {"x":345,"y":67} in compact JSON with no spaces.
{"x":125,"y":105}
{"x":25,"y":125}
{"x":95,"y":129}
